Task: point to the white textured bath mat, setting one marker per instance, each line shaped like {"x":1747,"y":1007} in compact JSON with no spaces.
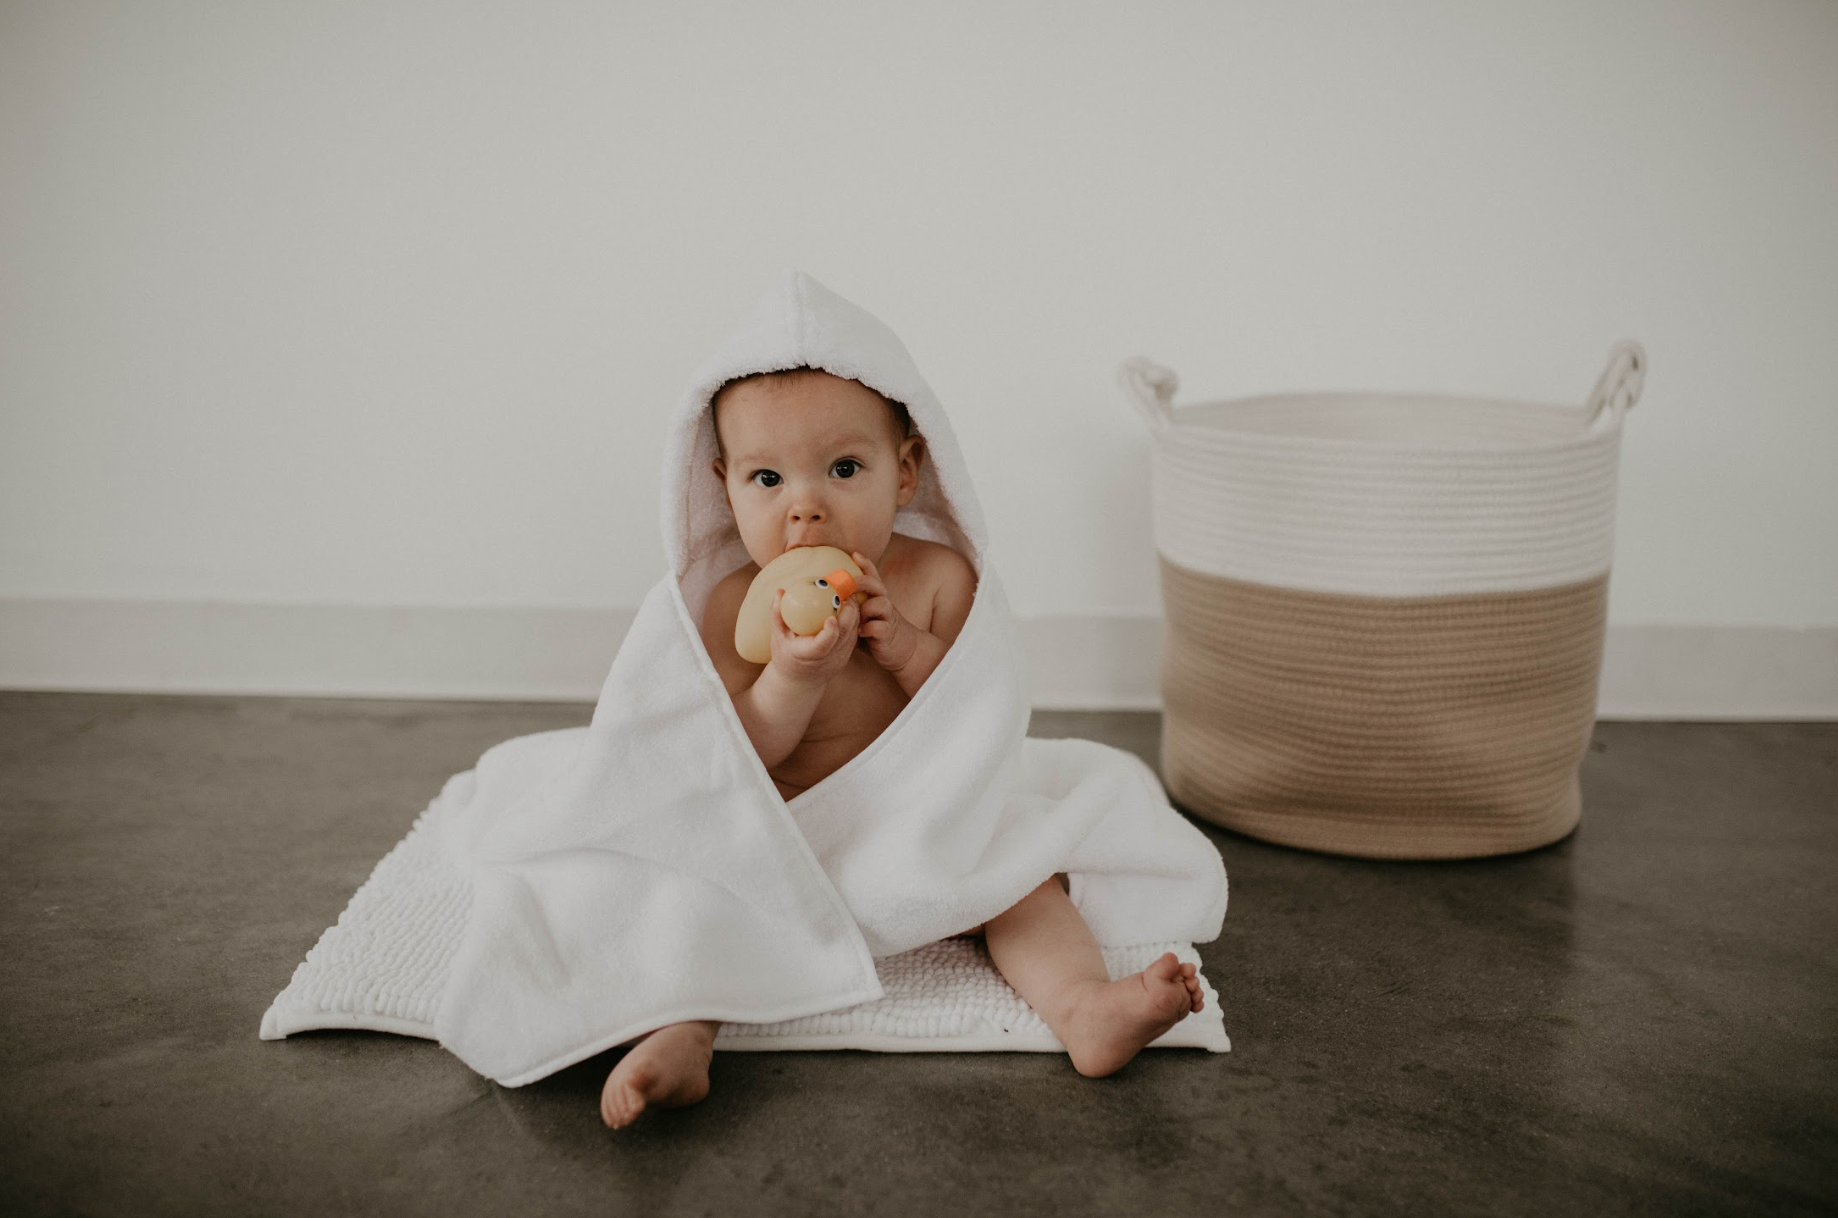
{"x":383,"y":966}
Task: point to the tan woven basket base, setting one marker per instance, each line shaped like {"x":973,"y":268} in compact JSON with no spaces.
{"x":1406,"y":728}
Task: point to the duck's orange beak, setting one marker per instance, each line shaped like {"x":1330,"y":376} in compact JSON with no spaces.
{"x":842,"y":581}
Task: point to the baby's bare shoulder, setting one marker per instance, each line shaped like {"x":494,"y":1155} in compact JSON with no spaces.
{"x":725,"y":599}
{"x":939,"y":579}
{"x":941,"y":567}
{"x":718,"y":618}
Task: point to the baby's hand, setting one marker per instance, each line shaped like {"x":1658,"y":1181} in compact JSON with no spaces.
{"x":813,"y":659}
{"x":891,"y":639}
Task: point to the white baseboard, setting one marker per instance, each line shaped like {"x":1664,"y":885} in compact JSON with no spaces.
{"x":1075,"y":663}
{"x":525,"y":655}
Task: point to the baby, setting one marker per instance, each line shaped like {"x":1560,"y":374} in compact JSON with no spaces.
{"x":809,"y":458}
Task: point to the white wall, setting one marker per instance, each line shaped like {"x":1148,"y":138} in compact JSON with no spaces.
{"x":382,"y":304}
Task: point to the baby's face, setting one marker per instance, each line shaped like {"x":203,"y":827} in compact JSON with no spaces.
{"x":813,"y":460}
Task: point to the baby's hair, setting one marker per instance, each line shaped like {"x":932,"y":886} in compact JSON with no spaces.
{"x":903,"y":419}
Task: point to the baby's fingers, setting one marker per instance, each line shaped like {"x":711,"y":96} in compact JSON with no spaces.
{"x":870,"y":582}
{"x":821,"y":641}
{"x":835,"y":630}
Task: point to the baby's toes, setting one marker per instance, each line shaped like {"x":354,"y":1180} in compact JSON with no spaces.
{"x":1164,"y":970}
{"x":1190,"y":977}
{"x":613,"y":1107}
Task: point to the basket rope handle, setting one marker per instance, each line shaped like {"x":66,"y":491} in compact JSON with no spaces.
{"x":1619,"y":386}
{"x":1151,"y":390}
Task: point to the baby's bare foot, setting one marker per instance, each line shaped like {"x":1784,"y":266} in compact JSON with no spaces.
{"x":668,"y":1068}
{"x":1112,"y":1021}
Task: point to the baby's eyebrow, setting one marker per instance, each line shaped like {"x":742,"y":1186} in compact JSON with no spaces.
{"x":849,"y":444}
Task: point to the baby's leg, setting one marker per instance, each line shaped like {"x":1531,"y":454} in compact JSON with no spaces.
{"x":1044,"y":949}
{"x":668,"y":1068}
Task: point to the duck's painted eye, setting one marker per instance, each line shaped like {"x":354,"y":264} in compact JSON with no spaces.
{"x":846,"y":468}
{"x":765,"y":477}
{"x":836,"y":602}
{"x":823,"y":583}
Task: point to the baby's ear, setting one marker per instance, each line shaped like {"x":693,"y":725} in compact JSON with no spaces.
{"x":720,"y":468}
{"x":912,"y":457}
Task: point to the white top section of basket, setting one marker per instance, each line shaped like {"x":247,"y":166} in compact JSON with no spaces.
{"x":1388,"y":495}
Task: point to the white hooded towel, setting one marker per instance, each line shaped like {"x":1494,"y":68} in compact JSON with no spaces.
{"x":644,"y":870}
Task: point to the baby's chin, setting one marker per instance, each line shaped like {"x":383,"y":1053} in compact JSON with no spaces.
{"x":845,"y":546}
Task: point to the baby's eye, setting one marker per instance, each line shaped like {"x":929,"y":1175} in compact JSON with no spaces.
{"x":765,"y":477}
{"x":846,"y":468}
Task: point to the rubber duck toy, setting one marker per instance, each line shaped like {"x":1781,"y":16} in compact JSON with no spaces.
{"x":816,"y":581}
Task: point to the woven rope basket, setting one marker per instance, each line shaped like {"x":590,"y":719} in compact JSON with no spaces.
{"x":1385,"y":613}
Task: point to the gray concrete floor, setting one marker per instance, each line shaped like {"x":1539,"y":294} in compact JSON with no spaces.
{"x":1641,"y":1018}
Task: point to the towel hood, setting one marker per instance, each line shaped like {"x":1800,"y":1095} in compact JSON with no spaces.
{"x":797,"y":322}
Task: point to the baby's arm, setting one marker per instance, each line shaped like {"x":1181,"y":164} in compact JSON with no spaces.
{"x":901,"y":647}
{"x":775,"y":700}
